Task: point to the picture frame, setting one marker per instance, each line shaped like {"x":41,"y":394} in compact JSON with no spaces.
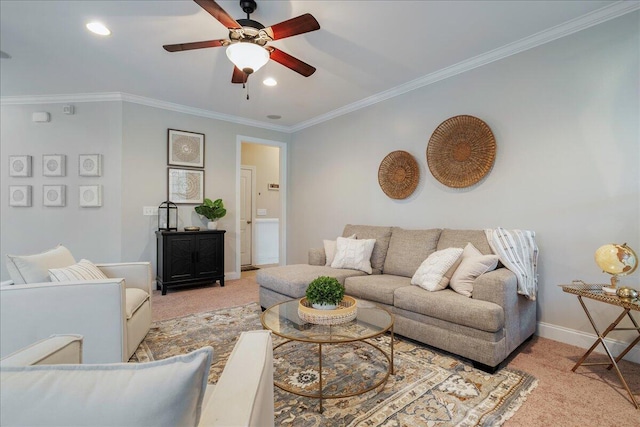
{"x":90,"y":196}
{"x":185,"y":186}
{"x":20,"y":195}
{"x":54,"y":164}
{"x":185,"y":148}
{"x":90,"y":165}
{"x":20,"y":166}
{"x":54,"y":195}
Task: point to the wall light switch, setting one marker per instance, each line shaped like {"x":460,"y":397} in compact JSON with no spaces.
{"x":262,"y":212}
{"x":150,"y":210}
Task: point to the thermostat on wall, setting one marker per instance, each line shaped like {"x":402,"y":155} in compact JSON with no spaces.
{"x":41,"y":117}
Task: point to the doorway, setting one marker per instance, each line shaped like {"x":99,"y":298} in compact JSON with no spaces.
{"x":260,"y":219}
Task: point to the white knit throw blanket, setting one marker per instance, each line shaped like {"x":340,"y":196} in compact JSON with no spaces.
{"x":518,"y":252}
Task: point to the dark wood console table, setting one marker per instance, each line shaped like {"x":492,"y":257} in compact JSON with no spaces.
{"x":189,"y":257}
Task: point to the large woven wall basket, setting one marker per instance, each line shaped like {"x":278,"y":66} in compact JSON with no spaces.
{"x":461,"y":151}
{"x":398,"y":174}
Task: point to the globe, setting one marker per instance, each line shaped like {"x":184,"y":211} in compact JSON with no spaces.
{"x":617,"y":260}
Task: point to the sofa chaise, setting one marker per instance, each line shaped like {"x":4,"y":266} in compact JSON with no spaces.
{"x":485,"y":327}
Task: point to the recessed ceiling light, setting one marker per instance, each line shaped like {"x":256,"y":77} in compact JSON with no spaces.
{"x":98,"y":28}
{"x":269,"y":81}
{"x":274,"y":117}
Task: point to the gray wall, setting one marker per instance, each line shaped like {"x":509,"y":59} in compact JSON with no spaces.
{"x":92,"y":233}
{"x":133,"y":141}
{"x":565,"y":118}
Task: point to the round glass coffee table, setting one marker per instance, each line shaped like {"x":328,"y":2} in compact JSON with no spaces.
{"x":371,"y":321}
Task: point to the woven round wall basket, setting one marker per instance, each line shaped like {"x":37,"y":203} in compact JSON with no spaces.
{"x":398,"y":174}
{"x":461,"y":151}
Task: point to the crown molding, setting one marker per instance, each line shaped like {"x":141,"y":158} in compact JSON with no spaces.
{"x":589,"y":20}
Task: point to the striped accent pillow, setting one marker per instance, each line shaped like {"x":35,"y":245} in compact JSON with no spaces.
{"x":83,"y":270}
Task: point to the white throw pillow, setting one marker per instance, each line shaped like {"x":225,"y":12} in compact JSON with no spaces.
{"x":167,"y":392}
{"x":83,"y":270}
{"x":431,"y":273}
{"x":354,"y":254}
{"x":330,"y":250}
{"x":473,"y":265}
{"x":35,"y":268}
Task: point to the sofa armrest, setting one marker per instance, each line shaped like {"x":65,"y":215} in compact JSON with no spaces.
{"x":95,"y":309}
{"x":57,"y":349}
{"x":243,"y":395}
{"x":499,"y":286}
{"x":135,"y":274}
{"x":317,"y":256}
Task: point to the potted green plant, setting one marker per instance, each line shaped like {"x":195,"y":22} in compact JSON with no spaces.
{"x":324,"y":293}
{"x":213,"y":211}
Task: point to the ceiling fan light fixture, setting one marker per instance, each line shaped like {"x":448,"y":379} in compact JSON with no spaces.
{"x":247,"y":56}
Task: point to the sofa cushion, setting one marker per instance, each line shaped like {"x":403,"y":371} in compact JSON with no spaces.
{"x":330,"y":247}
{"x":83,"y":270}
{"x":293,"y":280}
{"x":134,"y":298}
{"x":472,"y":266}
{"x":408,"y":249}
{"x":382,"y":236}
{"x":354,"y":254}
{"x":459,"y":239}
{"x":452,"y":307}
{"x":165,"y":392}
{"x":377,"y":288}
{"x":431,"y":275}
{"x":35,"y":268}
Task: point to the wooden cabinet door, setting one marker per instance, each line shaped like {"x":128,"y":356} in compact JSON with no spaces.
{"x":180,"y":256}
{"x":210,"y":255}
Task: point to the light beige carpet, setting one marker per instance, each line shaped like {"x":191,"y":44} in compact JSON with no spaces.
{"x":592,"y":396}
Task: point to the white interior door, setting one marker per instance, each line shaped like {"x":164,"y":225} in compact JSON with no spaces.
{"x":246,"y":215}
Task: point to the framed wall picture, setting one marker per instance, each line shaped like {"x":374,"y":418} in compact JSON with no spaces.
{"x":185,"y":185}
{"x":20,"y":195}
{"x":20,"y":166}
{"x":185,"y":149}
{"x":54,"y":195}
{"x":90,"y":196}
{"x":54,"y":164}
{"x":90,"y":165}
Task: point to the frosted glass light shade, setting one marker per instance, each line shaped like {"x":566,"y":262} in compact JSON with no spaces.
{"x":248,"y":57}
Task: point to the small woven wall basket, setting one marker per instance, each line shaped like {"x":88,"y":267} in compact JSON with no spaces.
{"x":398,"y":174}
{"x":461,"y":151}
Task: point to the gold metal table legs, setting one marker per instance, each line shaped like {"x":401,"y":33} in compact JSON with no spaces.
{"x":600,"y":340}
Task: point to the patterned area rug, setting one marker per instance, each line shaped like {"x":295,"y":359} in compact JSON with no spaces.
{"x":427,"y":389}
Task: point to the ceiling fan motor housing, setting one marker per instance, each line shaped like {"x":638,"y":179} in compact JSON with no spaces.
{"x":248,"y":6}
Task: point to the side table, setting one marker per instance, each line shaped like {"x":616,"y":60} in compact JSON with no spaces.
{"x":594,"y":292}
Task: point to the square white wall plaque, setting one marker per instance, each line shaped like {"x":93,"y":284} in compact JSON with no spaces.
{"x":90,"y":165}
{"x":54,"y":164}
{"x":54,"y":195}
{"x":90,"y":196}
{"x":20,"y":195}
{"x":20,"y":166}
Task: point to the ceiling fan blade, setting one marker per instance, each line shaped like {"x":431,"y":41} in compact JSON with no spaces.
{"x":238,"y":76}
{"x":219,"y":13}
{"x":291,"y":27}
{"x":290,"y":62}
{"x":193,"y":45}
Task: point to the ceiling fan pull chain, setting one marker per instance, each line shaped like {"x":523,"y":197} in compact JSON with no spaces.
{"x":247,"y":86}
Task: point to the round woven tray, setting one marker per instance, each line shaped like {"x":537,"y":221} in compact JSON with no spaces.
{"x":345,"y":312}
{"x":461,"y":151}
{"x":398,"y":174}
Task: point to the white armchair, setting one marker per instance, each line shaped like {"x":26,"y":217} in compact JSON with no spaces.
{"x":113,"y":314}
{"x":169,"y":392}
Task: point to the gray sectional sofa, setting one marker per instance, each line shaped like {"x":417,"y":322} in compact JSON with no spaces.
{"x":485,"y":328}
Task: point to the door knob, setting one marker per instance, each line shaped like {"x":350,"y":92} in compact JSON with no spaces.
{"x":248,"y":222}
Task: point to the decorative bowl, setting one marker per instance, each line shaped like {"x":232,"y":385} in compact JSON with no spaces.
{"x":627,"y":293}
{"x":346,"y":311}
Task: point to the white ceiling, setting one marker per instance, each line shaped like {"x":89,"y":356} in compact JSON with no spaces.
{"x":365,"y":51}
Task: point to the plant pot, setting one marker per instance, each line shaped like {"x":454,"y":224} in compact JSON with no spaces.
{"x":212,"y":225}
{"x":323,"y":306}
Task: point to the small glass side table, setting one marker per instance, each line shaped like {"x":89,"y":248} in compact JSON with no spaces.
{"x":594,"y":292}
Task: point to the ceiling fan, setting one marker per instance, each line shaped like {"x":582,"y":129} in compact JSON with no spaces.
{"x":247,"y":43}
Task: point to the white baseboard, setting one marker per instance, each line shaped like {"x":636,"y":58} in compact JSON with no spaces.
{"x":231,"y":276}
{"x":585,"y":340}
